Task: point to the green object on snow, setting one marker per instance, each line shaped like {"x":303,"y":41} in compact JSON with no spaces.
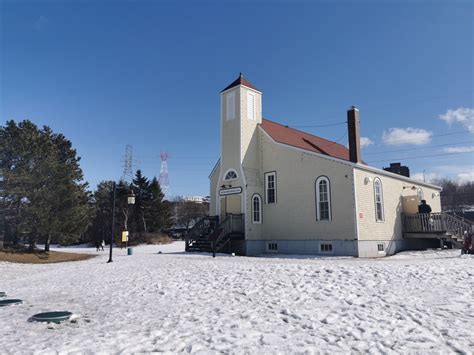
{"x":52,"y":317}
{"x":130,"y":251}
{"x":10,"y":302}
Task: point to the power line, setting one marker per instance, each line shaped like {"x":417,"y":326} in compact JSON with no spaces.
{"x":418,"y":148}
{"x":417,"y":157}
{"x":433,"y":135}
{"x":321,"y":125}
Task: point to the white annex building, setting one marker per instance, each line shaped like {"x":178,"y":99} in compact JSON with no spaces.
{"x":282,"y":190}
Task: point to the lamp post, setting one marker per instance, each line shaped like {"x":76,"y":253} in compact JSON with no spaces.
{"x":130,"y":201}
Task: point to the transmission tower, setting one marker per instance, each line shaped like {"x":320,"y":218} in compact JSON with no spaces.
{"x":127,"y":175}
{"x":164,"y":179}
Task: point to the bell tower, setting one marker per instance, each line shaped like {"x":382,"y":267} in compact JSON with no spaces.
{"x":241,"y":112}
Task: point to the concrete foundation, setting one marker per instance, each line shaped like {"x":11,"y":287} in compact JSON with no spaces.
{"x":301,"y":247}
{"x":363,"y":249}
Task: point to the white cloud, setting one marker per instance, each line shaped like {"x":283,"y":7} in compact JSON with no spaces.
{"x":466,"y":177}
{"x":459,"y":173}
{"x":462,"y":115}
{"x":400,"y":136}
{"x":365,"y":142}
{"x":427,"y":177}
{"x":459,"y":149}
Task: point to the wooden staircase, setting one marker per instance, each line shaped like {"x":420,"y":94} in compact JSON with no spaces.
{"x":209,"y":236}
{"x":441,"y":225}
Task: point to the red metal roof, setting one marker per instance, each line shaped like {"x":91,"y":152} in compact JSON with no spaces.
{"x":290,"y":136}
{"x":240,"y":81}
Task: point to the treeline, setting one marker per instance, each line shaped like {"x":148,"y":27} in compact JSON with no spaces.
{"x":143,"y":220}
{"x":44,"y":198}
{"x":456,"y":197}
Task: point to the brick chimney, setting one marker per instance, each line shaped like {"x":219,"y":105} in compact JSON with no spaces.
{"x":353,"y":127}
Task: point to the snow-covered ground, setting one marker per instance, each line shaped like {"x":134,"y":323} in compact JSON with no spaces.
{"x":177,"y":302}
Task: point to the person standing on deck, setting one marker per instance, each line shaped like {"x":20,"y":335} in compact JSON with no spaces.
{"x":424,"y":209}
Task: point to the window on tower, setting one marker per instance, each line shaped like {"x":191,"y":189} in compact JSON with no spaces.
{"x":250,"y":106}
{"x":230,"y":106}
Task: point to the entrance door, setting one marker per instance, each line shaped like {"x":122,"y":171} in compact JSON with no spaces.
{"x":230,"y":204}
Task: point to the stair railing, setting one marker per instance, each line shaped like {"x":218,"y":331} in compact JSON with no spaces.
{"x":202,"y":228}
{"x":232,"y":224}
{"x":457,"y":226}
{"x":438,"y":222}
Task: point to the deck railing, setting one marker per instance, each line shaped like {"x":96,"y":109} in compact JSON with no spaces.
{"x":438,"y":222}
{"x":233,"y":224}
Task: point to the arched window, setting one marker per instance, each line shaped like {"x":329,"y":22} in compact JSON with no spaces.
{"x":256,"y":209}
{"x":378,"y":196}
{"x":323,"y":199}
{"x":230,"y":175}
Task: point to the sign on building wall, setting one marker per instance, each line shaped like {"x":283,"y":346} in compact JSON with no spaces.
{"x":231,"y":191}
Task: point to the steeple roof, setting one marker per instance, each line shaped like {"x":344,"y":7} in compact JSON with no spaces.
{"x":240,"y":81}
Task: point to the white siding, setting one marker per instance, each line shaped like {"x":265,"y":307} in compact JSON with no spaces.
{"x":392,"y":189}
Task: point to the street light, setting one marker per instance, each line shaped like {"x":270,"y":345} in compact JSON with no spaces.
{"x":130,"y":201}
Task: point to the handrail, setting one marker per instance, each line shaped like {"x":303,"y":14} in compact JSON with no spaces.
{"x":201,"y":228}
{"x":233,"y":223}
{"x":438,"y":222}
{"x":216,"y":234}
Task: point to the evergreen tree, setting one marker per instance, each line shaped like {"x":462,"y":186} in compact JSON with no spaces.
{"x":158,"y":214}
{"x":101,"y":226}
{"x":142,"y":203}
{"x":43,"y":195}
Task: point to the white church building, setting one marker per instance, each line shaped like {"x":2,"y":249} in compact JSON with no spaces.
{"x":295,"y":193}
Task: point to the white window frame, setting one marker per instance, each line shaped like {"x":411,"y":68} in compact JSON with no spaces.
{"x":328,"y":246}
{"x":267,"y":175}
{"x":318,"y":207}
{"x":378,"y":182}
{"x":230,"y":171}
{"x":272,"y":247}
{"x":259,"y":198}
{"x":230,"y":105}
{"x":251,"y":110}
{"x":381,"y":247}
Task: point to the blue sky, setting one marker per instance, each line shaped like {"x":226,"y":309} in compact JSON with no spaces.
{"x":148,"y":73}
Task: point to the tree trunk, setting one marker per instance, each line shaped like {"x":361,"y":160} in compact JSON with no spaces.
{"x":46,"y":243}
{"x":125,"y":218}
{"x":144,"y":222}
{"x":32,"y":243}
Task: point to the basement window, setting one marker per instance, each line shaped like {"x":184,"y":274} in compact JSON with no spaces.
{"x":272,"y":247}
{"x":380,"y":247}
{"x":326,"y":248}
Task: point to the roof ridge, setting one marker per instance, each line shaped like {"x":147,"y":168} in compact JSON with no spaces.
{"x":240,"y":81}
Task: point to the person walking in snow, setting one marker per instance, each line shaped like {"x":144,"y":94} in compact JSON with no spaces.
{"x":102,"y":244}
{"x":97,"y":245}
{"x":467,"y":244}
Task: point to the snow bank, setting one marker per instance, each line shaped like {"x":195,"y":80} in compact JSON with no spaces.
{"x":177,"y":302}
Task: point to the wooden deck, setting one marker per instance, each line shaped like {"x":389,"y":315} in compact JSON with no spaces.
{"x":434,"y":223}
